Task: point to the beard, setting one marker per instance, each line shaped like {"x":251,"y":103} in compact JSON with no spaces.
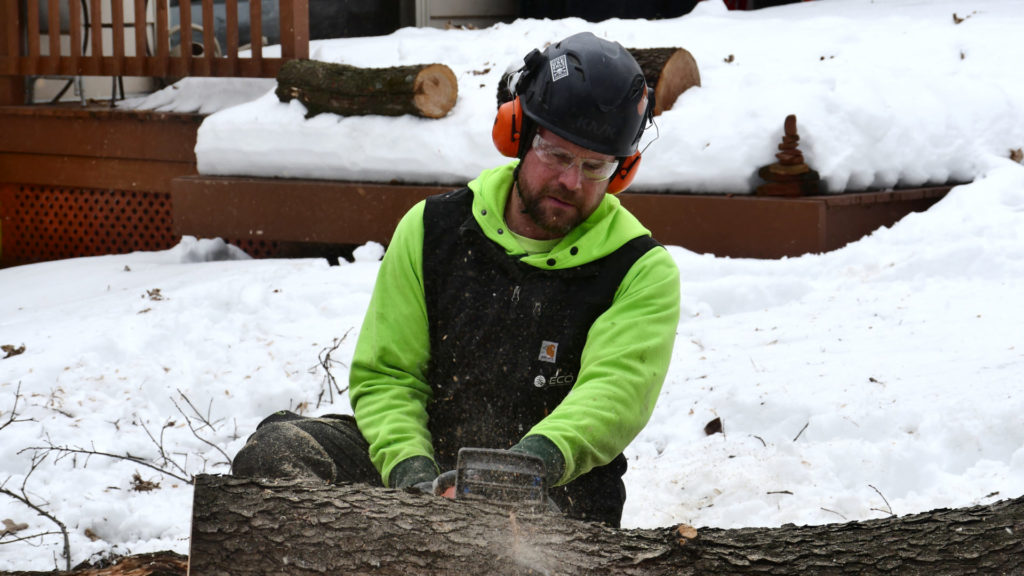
{"x":555,"y":220}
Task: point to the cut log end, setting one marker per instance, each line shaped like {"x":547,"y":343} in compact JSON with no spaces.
{"x":678,"y":75}
{"x":436,"y":90}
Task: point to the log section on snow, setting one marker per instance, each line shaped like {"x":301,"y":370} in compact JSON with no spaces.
{"x":427,"y":90}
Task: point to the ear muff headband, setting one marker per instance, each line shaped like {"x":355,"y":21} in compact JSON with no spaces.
{"x":508,"y":128}
{"x":624,"y":175}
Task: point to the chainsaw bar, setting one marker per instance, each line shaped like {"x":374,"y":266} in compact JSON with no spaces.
{"x":500,"y":476}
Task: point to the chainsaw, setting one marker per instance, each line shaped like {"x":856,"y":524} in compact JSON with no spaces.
{"x":496,"y":476}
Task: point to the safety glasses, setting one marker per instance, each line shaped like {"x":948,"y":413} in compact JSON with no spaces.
{"x":561,"y":159}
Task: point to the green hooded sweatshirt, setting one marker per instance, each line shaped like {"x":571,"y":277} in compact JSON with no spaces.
{"x":624,"y":361}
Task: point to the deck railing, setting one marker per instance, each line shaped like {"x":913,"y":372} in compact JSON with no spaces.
{"x":98,"y":37}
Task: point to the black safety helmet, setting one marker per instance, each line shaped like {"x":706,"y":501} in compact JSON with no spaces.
{"x":589,"y":91}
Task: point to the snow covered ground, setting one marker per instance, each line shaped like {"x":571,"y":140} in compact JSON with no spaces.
{"x":882,"y":377}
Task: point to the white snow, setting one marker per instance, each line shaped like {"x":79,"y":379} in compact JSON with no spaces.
{"x":880,"y":378}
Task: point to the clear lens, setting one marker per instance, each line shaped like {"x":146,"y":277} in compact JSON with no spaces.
{"x":562,"y":159}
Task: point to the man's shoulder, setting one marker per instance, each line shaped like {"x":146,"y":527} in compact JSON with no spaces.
{"x":447,"y":208}
{"x":455,"y":196}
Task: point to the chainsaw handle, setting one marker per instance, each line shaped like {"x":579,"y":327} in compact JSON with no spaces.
{"x":444,"y":485}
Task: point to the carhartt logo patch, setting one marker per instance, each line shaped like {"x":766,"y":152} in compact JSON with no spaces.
{"x":548,"y":351}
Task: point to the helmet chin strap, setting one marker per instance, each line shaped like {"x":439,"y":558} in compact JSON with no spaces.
{"x":516,"y":190}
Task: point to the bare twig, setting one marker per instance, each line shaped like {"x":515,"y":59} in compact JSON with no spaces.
{"x":330,"y":384}
{"x":24,"y":498}
{"x":206,"y":423}
{"x":13,"y":417}
{"x":167,"y":460}
{"x":834,"y":512}
{"x":889,"y":511}
{"x":798,"y":434}
{"x":206,"y":420}
{"x":29,"y":537}
{"x":63,"y":451}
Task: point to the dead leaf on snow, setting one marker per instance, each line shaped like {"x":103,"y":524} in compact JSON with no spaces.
{"x":12,"y":527}
{"x":10,"y":350}
{"x":140,"y":485}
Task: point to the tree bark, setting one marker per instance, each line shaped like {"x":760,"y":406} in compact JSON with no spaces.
{"x":670,"y":71}
{"x":247,"y":526}
{"x":428,"y":90}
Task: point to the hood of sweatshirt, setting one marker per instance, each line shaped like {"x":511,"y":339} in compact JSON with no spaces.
{"x":605,"y":231}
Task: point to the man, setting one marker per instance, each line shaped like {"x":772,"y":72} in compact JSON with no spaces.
{"x":529,"y":311}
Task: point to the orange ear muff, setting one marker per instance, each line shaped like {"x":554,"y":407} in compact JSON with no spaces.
{"x":508,"y":126}
{"x":624,"y":175}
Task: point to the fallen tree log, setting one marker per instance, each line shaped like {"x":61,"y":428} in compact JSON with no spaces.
{"x":428,"y":90}
{"x":248,"y":526}
{"x":670,"y":71}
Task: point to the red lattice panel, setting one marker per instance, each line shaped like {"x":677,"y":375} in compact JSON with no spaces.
{"x":256,"y":248}
{"x":42,"y":223}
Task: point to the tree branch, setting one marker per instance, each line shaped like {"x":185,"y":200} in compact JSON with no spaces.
{"x":66,"y":450}
{"x":24,"y":498}
{"x":13,"y":417}
{"x":329,"y":383}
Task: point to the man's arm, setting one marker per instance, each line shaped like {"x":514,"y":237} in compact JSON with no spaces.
{"x":387,"y":381}
{"x":624,"y":364}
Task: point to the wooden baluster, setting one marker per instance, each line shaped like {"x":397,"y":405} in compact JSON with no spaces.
{"x":137,"y":64}
{"x":184,"y":64}
{"x":75,"y":61}
{"x":12,"y":83}
{"x":11,"y":32}
{"x":162,"y":41}
{"x":117,"y":34}
{"x":32,"y":30}
{"x":255,"y":68}
{"x":231,"y":49}
{"x":52,"y":64}
{"x":209,"y":41}
{"x":96,"y":32}
{"x":294,"y":29}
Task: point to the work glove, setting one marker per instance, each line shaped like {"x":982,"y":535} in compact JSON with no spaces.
{"x":412,"y":472}
{"x":541,"y":447}
{"x":554,"y":463}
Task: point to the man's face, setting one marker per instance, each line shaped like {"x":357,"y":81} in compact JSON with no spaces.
{"x":560,"y":185}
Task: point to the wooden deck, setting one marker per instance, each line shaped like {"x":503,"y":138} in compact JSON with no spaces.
{"x":355,"y":213}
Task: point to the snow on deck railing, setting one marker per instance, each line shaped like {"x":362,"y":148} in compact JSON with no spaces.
{"x":100,"y":38}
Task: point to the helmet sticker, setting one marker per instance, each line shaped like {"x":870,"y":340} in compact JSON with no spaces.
{"x":559,"y":68}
